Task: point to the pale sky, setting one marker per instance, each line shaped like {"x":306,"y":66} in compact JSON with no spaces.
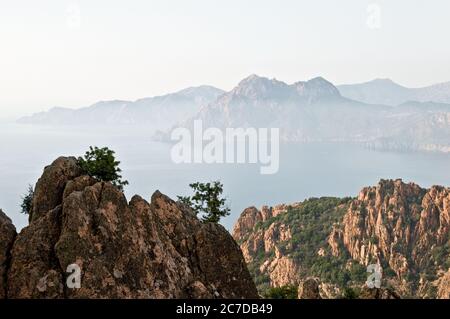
{"x":74,"y":53}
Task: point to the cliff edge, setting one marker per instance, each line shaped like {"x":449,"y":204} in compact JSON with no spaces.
{"x":123,"y":249}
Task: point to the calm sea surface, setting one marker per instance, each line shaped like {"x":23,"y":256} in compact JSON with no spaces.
{"x":306,"y":170}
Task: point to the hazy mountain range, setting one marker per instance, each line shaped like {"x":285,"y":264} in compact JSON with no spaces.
{"x":304,"y":111}
{"x":158,"y":112}
{"x":380,"y":114}
{"x":315,"y":111}
{"x":385,"y":91}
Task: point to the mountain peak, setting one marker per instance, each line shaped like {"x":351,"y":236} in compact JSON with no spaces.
{"x":205,"y":89}
{"x":253,"y":77}
{"x":255,"y":86}
{"x":319,"y":79}
{"x":316,"y":88}
{"x":383,"y":80}
{"x":205,"y":93}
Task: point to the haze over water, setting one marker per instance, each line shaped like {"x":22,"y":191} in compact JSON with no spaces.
{"x":306,"y":170}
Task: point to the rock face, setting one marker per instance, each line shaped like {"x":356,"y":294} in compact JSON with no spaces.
{"x":272,"y":241}
{"x":123,"y":250}
{"x":402,"y":227}
{"x":443,"y":286}
{"x":50,"y":187}
{"x":282,"y":270}
{"x":309,"y":289}
{"x":7,"y":236}
{"x":378,"y":293}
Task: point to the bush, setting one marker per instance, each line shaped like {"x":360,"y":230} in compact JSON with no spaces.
{"x":358,"y":273}
{"x":207,"y":201}
{"x":284,"y":292}
{"x":27,"y":201}
{"x":350,"y":293}
{"x":100,"y":163}
{"x":389,"y":273}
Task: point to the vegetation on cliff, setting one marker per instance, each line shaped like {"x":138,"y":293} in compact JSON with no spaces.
{"x":207,"y":201}
{"x":123,"y":249}
{"x":310,"y":224}
{"x":401,"y":227}
{"x":101,"y":164}
{"x":27,"y":201}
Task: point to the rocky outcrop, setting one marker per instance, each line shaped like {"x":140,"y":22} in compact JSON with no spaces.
{"x":309,"y":289}
{"x":397,"y":225}
{"x":7,"y":236}
{"x":282,"y":270}
{"x":248,"y":220}
{"x":251,"y":217}
{"x":263,"y":239}
{"x":123,"y":249}
{"x":378,"y":293}
{"x":443,"y":286}
{"x":50,"y":187}
{"x":401,"y":226}
{"x":269,"y":239}
{"x":34,"y":270}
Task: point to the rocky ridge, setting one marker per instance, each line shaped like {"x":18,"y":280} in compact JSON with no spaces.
{"x":7,"y":236}
{"x":124,"y":249}
{"x":158,"y":112}
{"x":400,"y":226}
{"x":315,"y":111}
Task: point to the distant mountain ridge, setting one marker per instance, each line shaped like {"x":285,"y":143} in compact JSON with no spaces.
{"x":261,"y":102}
{"x":159,"y":111}
{"x":380,"y":114}
{"x":257,"y":87}
{"x":315,"y":111}
{"x":386,"y":91}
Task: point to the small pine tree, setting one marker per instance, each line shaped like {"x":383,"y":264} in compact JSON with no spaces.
{"x":207,"y":201}
{"x":27,"y":201}
{"x":100,"y":163}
